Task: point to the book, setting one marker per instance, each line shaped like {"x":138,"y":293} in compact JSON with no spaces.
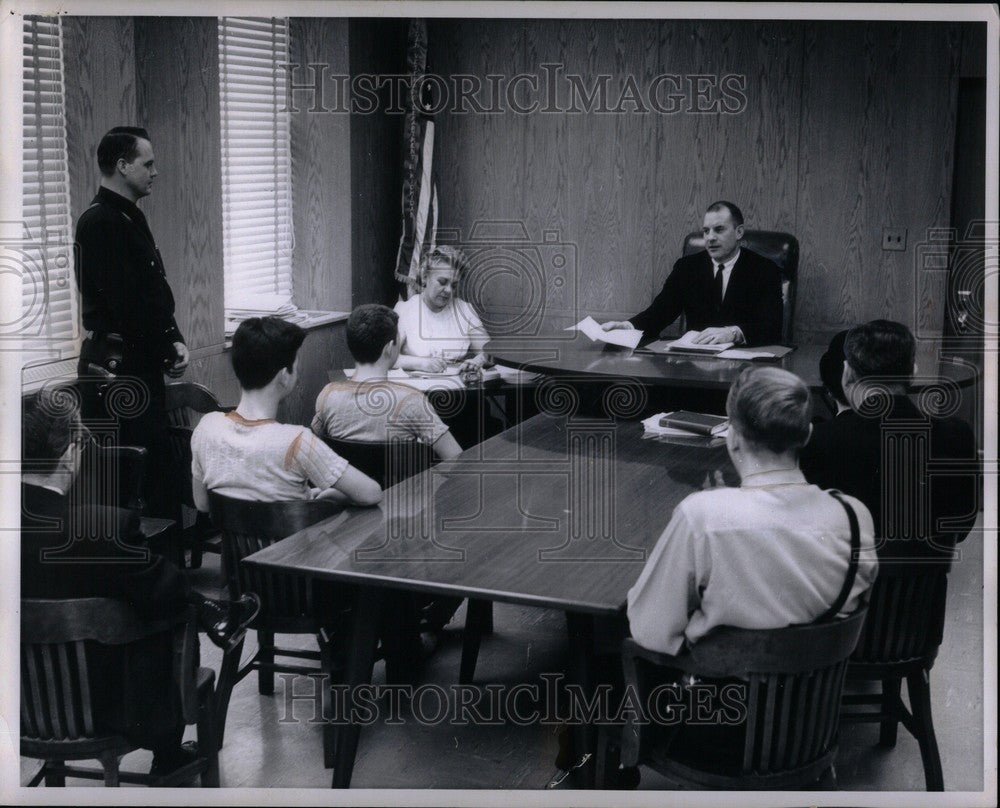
{"x":697,"y":422}
{"x":654,"y":430}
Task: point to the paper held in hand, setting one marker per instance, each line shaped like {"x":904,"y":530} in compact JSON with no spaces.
{"x":625,"y":338}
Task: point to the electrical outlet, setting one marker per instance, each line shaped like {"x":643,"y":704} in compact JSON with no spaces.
{"x":893,"y":238}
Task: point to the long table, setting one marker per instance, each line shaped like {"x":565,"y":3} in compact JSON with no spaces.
{"x":556,"y":512}
{"x":572,"y":354}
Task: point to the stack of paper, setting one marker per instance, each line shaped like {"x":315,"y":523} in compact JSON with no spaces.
{"x":253,"y":305}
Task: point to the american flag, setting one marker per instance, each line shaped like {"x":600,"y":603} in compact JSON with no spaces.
{"x":420,"y":203}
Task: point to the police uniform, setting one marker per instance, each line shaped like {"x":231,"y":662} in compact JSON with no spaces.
{"x":129,"y":309}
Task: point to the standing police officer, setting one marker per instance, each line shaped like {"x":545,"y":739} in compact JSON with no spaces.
{"x":129,"y":309}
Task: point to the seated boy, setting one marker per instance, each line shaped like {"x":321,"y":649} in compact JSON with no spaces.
{"x":368,"y":407}
{"x":135,"y":693}
{"x":247,"y":454}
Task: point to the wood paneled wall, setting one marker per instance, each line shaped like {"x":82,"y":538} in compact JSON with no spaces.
{"x":876,"y":149}
{"x":177,"y":70}
{"x":99,"y":70}
{"x":321,"y":168}
{"x":847,"y":128}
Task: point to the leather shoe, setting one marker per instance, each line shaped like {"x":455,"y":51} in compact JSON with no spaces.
{"x":183,"y":755}
{"x":223,"y":620}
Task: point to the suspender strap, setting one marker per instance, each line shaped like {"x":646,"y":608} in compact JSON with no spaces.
{"x":852,"y":564}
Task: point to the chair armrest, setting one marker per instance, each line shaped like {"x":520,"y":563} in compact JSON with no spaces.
{"x":632,"y":649}
{"x":186,"y":653}
{"x":634,"y":731}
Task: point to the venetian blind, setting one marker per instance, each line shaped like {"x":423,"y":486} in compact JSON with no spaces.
{"x":256,"y":158}
{"x":50,"y":318}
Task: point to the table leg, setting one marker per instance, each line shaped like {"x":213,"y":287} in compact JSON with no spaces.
{"x":581,"y":673}
{"x":364,"y":636}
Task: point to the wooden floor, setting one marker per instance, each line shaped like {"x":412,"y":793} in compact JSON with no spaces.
{"x":267,"y":746}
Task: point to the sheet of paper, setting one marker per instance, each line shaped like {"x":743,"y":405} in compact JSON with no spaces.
{"x":626,"y":338}
{"x":687,"y":342}
{"x":743,"y":353}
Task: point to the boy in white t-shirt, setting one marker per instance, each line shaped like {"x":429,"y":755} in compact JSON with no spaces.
{"x":247,"y":454}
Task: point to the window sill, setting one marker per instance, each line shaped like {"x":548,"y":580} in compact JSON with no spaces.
{"x":34,"y":377}
{"x":312,"y":321}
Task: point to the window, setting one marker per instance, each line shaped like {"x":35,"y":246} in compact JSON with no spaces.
{"x":256,"y":161}
{"x":49,"y":324}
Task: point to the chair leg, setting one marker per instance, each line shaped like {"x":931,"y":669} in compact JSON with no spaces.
{"x":479,"y":614}
{"x":488,"y":620}
{"x":109,"y":762}
{"x":827,"y":780}
{"x":890,"y":703}
{"x":918,"y":686}
{"x":228,"y":675}
{"x":265,"y":676}
{"x":608,"y":758}
{"x":53,"y":780}
{"x":208,"y":741}
{"x":326,"y":682}
{"x":196,"y":553}
{"x":37,"y":777}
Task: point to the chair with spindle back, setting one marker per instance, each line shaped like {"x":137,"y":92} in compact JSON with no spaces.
{"x":290,"y":604}
{"x":389,"y":463}
{"x":183,"y":400}
{"x":113,"y":476}
{"x":790,"y":680}
{"x":59,"y":675}
{"x":900,"y":641}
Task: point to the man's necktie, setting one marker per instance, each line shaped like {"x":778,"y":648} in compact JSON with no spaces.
{"x":718,"y":286}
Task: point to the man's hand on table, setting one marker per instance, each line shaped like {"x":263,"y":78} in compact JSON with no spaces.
{"x":717,"y":334}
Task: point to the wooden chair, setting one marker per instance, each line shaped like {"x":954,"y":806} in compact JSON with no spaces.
{"x":113,"y":476}
{"x":783,"y":249}
{"x":900,"y":641}
{"x":386,"y":462}
{"x":57,"y":715}
{"x":389,"y":463}
{"x":183,"y":399}
{"x":792,"y":679}
{"x":288,"y":602}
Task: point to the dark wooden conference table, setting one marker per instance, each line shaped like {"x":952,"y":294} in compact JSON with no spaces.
{"x":572,"y":354}
{"x":557,"y":512}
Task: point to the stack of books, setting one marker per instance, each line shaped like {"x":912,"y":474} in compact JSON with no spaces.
{"x":684,"y":426}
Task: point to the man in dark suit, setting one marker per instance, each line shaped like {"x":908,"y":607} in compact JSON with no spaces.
{"x":727,"y":293}
{"x":916,"y":472}
{"x":61,"y":557}
{"x":128,"y":308}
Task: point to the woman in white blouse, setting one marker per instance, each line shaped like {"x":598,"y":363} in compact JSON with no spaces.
{"x":435,"y":326}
